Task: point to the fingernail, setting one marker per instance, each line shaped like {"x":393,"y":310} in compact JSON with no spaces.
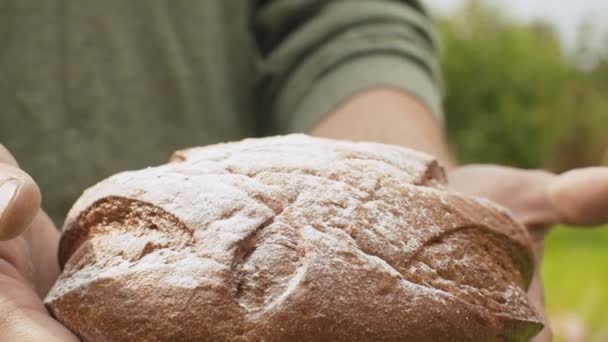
{"x":8,"y":191}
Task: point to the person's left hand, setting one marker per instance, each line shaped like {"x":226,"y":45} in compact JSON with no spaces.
{"x":28,"y":259}
{"x":539,"y":199}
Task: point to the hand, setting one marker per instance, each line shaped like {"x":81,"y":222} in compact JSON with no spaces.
{"x":28,"y":259}
{"x":539,"y":200}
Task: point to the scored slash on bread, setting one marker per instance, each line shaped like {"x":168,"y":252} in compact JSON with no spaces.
{"x":292,"y":238}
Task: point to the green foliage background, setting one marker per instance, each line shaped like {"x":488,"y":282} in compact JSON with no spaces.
{"x":515,"y":96}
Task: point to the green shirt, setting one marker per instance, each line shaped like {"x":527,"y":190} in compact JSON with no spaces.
{"x":92,"y":87}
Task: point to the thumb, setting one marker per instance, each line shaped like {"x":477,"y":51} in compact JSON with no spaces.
{"x":19,"y":197}
{"x":581,"y":196}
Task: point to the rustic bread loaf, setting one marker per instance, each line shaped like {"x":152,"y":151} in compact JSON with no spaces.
{"x":291,"y":238}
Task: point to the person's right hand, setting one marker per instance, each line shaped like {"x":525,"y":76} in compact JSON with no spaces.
{"x":28,"y":259}
{"x":539,"y":200}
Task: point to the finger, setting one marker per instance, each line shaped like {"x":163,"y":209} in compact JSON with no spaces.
{"x":19,"y":201}
{"x":6,"y":157}
{"x":19,"y":197}
{"x":32,"y":326}
{"x":15,"y":253}
{"x":42,"y":237}
{"x":581,"y":196}
{"x":22,"y":314}
{"x":43,"y":240}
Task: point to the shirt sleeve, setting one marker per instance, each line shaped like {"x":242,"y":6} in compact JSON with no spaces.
{"x":315,"y":54}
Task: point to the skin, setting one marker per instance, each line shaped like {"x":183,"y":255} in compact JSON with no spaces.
{"x":28,"y":259}
{"x":28,"y":239}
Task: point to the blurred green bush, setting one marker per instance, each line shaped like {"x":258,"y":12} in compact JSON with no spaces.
{"x":513,"y":97}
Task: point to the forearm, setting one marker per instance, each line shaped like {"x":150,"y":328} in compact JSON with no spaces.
{"x":387,"y":116}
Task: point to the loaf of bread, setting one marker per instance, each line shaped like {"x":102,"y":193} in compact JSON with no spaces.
{"x":292,"y":238}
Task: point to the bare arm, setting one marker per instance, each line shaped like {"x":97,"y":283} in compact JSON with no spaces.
{"x":387,"y":116}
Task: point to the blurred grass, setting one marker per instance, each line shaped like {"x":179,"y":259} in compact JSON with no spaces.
{"x":575,"y":273}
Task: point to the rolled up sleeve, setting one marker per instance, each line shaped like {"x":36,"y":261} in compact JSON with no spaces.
{"x":317,"y":54}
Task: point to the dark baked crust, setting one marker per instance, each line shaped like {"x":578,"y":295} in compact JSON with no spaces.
{"x":292,"y":238}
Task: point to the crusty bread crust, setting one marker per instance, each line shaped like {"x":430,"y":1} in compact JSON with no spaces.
{"x":292,"y":238}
